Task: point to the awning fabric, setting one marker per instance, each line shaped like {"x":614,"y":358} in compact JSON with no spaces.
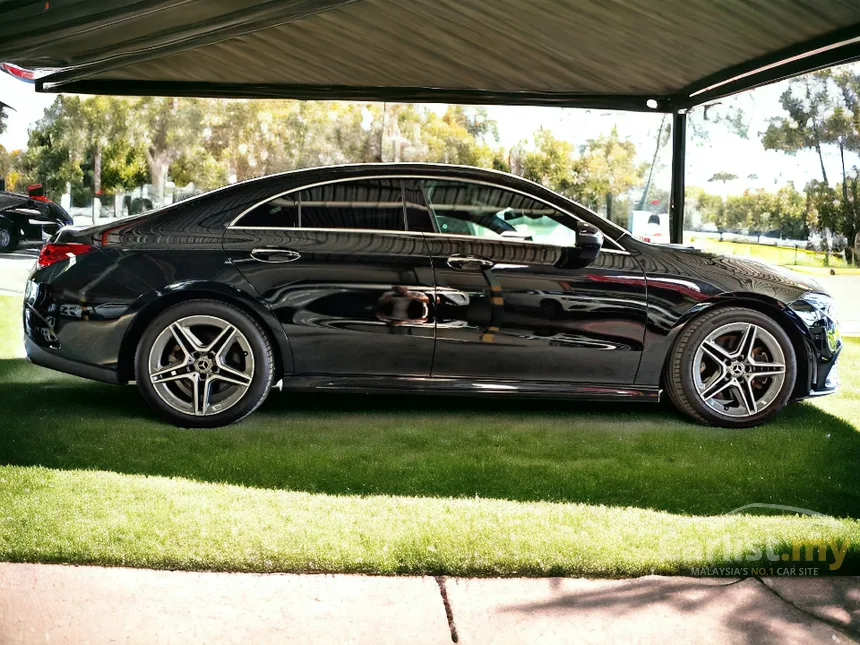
{"x":625,"y":54}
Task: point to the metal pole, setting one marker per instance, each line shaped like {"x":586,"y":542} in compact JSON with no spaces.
{"x":676,"y":202}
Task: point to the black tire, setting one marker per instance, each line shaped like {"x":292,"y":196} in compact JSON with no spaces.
{"x":255,"y":340}
{"x":8,"y":239}
{"x":551,"y":309}
{"x":680,"y":379}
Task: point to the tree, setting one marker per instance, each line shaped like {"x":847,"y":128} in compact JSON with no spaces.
{"x":750,"y":211}
{"x":56,"y":147}
{"x":723,"y":177}
{"x":551,"y":163}
{"x":124,"y":166}
{"x":789,"y":213}
{"x":166,"y":128}
{"x":461,"y":135}
{"x":713,"y":211}
{"x":606,"y":169}
{"x":826,"y":207}
{"x":809,"y":102}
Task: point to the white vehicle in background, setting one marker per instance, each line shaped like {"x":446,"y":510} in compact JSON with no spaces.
{"x":649,"y":227}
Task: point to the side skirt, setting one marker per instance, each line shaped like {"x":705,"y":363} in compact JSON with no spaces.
{"x":468,"y":387}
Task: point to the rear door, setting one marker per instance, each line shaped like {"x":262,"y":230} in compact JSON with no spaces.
{"x":348,"y":282}
{"x":506,"y":311}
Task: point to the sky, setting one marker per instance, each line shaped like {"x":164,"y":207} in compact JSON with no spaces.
{"x":720,"y":151}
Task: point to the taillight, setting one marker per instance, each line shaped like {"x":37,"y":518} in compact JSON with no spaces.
{"x":52,"y":253}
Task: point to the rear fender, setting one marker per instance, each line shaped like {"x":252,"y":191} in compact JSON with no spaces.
{"x":152,"y":303}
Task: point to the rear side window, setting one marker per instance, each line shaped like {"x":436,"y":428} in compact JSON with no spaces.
{"x":375,"y":204}
{"x":281,"y":212}
{"x":418,"y":215}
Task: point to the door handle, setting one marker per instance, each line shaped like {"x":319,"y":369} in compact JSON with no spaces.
{"x":275,"y":256}
{"x":469,"y":263}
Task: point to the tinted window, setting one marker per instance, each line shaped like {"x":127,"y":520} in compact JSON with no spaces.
{"x":281,"y":212}
{"x":370,"y":204}
{"x":465,"y":208}
{"x":418,"y":216}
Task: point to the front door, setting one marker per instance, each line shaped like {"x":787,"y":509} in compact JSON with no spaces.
{"x":505,"y":311}
{"x":348,"y":282}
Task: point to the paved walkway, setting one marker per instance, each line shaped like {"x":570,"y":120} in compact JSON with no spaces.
{"x":58,"y":604}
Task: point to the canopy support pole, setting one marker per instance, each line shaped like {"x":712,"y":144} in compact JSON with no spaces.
{"x":679,"y":163}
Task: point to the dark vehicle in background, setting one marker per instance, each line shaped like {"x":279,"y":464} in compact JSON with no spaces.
{"x":28,"y":218}
{"x":408,"y":278}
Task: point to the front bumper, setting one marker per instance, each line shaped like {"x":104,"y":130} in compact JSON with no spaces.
{"x":823,"y":344}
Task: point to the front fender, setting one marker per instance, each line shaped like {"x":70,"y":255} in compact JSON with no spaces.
{"x":661,"y":335}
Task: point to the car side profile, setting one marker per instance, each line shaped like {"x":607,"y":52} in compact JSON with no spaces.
{"x":418,"y":278}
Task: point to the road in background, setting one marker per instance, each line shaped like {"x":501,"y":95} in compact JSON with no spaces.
{"x":15,"y":267}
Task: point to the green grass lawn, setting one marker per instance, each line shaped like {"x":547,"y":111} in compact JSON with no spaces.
{"x":764,"y":253}
{"x":411,"y":485}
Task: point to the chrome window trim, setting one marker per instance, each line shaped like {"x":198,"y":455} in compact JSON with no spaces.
{"x":232,"y":225}
{"x":381,"y":231}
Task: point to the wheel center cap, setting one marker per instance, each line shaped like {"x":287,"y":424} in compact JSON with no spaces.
{"x":203,"y":365}
{"x":737,"y":369}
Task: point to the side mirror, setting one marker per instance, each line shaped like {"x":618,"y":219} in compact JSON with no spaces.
{"x":589,"y":241}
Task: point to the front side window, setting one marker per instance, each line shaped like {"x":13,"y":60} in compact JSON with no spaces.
{"x":478,"y":210}
{"x":375,"y":204}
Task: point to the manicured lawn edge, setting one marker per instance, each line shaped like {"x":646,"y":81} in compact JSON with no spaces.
{"x":169,"y":523}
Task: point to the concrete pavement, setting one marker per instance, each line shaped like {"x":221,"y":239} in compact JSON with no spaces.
{"x":60,"y":604}
{"x":15,"y":267}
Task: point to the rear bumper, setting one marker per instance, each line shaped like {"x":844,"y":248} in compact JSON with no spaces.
{"x":44,"y":358}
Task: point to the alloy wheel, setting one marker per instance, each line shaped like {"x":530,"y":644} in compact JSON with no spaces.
{"x":5,"y":238}
{"x":201,"y":365}
{"x":739,"y":369}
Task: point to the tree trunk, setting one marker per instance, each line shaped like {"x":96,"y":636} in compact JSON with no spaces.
{"x":647,"y":188}
{"x":820,"y":159}
{"x":157,"y":163}
{"x":97,"y":171}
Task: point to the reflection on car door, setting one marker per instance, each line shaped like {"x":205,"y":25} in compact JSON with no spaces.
{"x":505,"y":311}
{"x":350,"y":285}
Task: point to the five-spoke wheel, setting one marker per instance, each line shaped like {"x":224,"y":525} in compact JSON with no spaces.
{"x":733,"y":367}
{"x":201,"y":360}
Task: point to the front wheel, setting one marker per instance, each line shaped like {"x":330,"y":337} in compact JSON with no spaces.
{"x":204,"y":364}
{"x":732,"y":367}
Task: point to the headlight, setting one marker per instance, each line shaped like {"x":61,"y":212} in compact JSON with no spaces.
{"x":819,"y":312}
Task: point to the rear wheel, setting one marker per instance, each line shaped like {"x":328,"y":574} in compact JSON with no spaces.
{"x":204,"y":364}
{"x":732,"y":367}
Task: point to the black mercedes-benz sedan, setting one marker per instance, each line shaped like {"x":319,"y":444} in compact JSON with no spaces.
{"x":418,"y":278}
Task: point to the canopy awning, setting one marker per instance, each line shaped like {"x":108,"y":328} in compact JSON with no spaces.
{"x":625,"y":54}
